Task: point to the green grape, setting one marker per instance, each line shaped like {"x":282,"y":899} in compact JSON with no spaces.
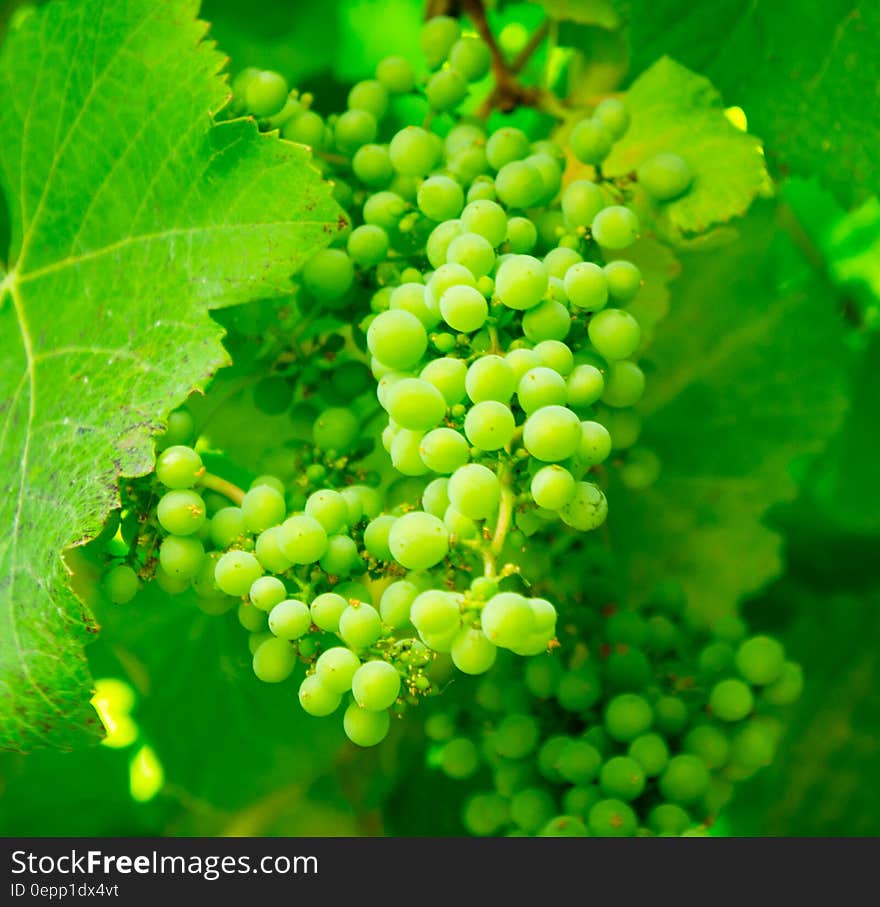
{"x":179,"y":467}
{"x":274,"y":660}
{"x":489,"y":425}
{"x":577,"y":801}
{"x":181,"y":512}
{"x":472,"y":652}
{"x":731,"y":629}
{"x":440,"y":198}
{"x":556,"y":355}
{"x":579,"y":689}
{"x":438,"y":36}
{"x":375,"y":685}
{"x":444,"y":450}
{"x":731,"y":700}
{"x":522,"y":235}
{"x":335,"y":669}
{"x":487,"y":219}
{"x":440,"y":239}
{"x":464,"y":308}
{"x":265,"y":93}
{"x":540,"y":387}
{"x":760,"y":660}
{"x":262,"y":508}
{"x":578,"y":762}
{"x":435,"y":498}
{"x":615,"y":227}
{"x":542,"y":676}
{"x":236,"y":572}
{"x":445,"y":90}
{"x":484,"y":814}
{"x":665,"y":176}
{"x":411,"y":297}
{"x":516,"y":736}
{"x":650,"y":752}
{"x":624,"y":384}
{"x":787,"y":688}
{"x":670,"y":715}
{"x":418,"y":540}
{"x":716,"y":659}
{"x":360,"y":625}
{"x":586,"y":286}
{"x":445,"y":277}
{"x":168,"y":583}
{"x":335,"y":429}
{"x":552,"y":433}
{"x":316,"y":698}
{"x":385,"y":210}
{"x":564,"y":827}
{"x":178,"y":432}
{"x":372,"y":166}
{"x":590,"y":141}
{"x":367,"y":245}
{"x":622,"y":778}
{"x":685,"y":780}
{"x":264,"y":592}
{"x":506,"y":145}
{"x":581,"y":202}
{"x":519,"y":184}
{"x":121,"y":584}
{"x":584,"y":387}
{"x":613,"y":115}
{"x":396,"y":74}
{"x":328,"y":275}
{"x":364,"y":727}
{"x":415,"y":404}
{"x":507,"y":619}
{"x":267,"y":549}
{"x":471,"y":57}
{"x":612,"y":819}
{"x":290,"y":619}
{"x":709,"y":744}
{"x":548,"y":321}
{"x":669,"y":819}
{"x":181,"y":556}
{"x":435,"y":612}
{"x":753,"y":747}
{"x":395,"y":604}
{"x":521,"y":361}
{"x":341,"y":556}
{"x":490,"y":378}
{"x":353,"y":129}
{"x":473,"y":252}
{"x":252,"y":619}
{"x":474,"y":491}
{"x":329,"y":508}
{"x":614,"y":333}
{"x":459,"y":758}
{"x":302,"y":539}
{"x":624,"y":280}
{"x":627,"y":716}
{"x":370,"y":95}
{"x":413,"y":151}
{"x":552,"y":487}
{"x":549,"y":173}
{"x":307,"y":128}
{"x":459,"y":525}
{"x":531,"y":808}
{"x":326,"y":610}
{"x":376,"y":537}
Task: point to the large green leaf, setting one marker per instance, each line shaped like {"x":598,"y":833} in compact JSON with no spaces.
{"x":805,"y":73}
{"x":747,"y":375}
{"x":675,"y":110}
{"x":130,"y":215}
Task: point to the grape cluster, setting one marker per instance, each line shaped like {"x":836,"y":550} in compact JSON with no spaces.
{"x":640,"y":724}
{"x":459,"y":366}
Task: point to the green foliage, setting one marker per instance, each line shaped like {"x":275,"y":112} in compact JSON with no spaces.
{"x":130,"y":215}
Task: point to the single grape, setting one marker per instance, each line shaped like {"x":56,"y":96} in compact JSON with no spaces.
{"x":614,"y":333}
{"x":326,"y":610}
{"x":486,"y":218}
{"x":265,"y":93}
{"x":474,"y":491}
{"x":464,"y":308}
{"x":507,"y":619}
{"x":396,"y":74}
{"x":622,"y":778}
{"x":615,"y":227}
{"x":316,"y":698}
{"x":522,"y":235}
{"x":564,"y":827}
{"x":624,"y":280}
{"x":590,"y":141}
{"x":418,"y":540}
{"x":459,"y":758}
{"x":181,"y":512}
{"x":360,"y":625}
{"x":787,"y":688}
{"x":627,"y":716}
{"x":341,"y":556}
{"x":413,"y":151}
{"x":540,"y":387}
{"x":268,"y":550}
{"x":612,"y":819}
{"x":444,"y":450}
{"x":440,"y":198}
{"x":445,"y":90}
{"x":552,"y":433}
{"x":624,"y":384}
{"x":384,"y":209}
{"x":556,"y":355}
{"x":274,"y":660}
{"x":578,"y":762}
{"x":265,"y":592}
{"x":586,"y":286}
{"x":262,"y":507}
{"x":651,"y":753}
{"x":548,"y":321}
{"x":665,"y":176}
{"x":519,"y":184}
{"x":584,"y":386}
{"x":367,"y":245}
{"x":302,"y":539}
{"x":731,"y":700}
{"x":472,"y":652}
{"x":760,"y":660}
{"x":370,"y":95}
{"x":552,"y":487}
{"x":181,"y":556}
{"x":179,"y":467}
{"x":438,"y":36}
{"x":684,"y":780}
{"x":415,"y":404}
{"x":473,"y":252}
{"x":364,"y":727}
{"x":581,"y":202}
{"x":121,"y":584}
{"x":613,"y":115}
{"x":335,"y":429}
{"x":471,"y":57}
{"x":353,"y":129}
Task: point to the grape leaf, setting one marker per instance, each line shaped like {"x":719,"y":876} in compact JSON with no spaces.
{"x":130,"y":215}
{"x":747,"y":374}
{"x":673,"y":109}
{"x":806,"y":75}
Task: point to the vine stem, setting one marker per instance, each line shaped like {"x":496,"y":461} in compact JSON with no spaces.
{"x":502,"y":526}
{"x":520,"y":61}
{"x":222,"y":486}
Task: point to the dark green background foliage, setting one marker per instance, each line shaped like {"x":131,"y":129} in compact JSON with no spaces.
{"x":771,"y":332}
